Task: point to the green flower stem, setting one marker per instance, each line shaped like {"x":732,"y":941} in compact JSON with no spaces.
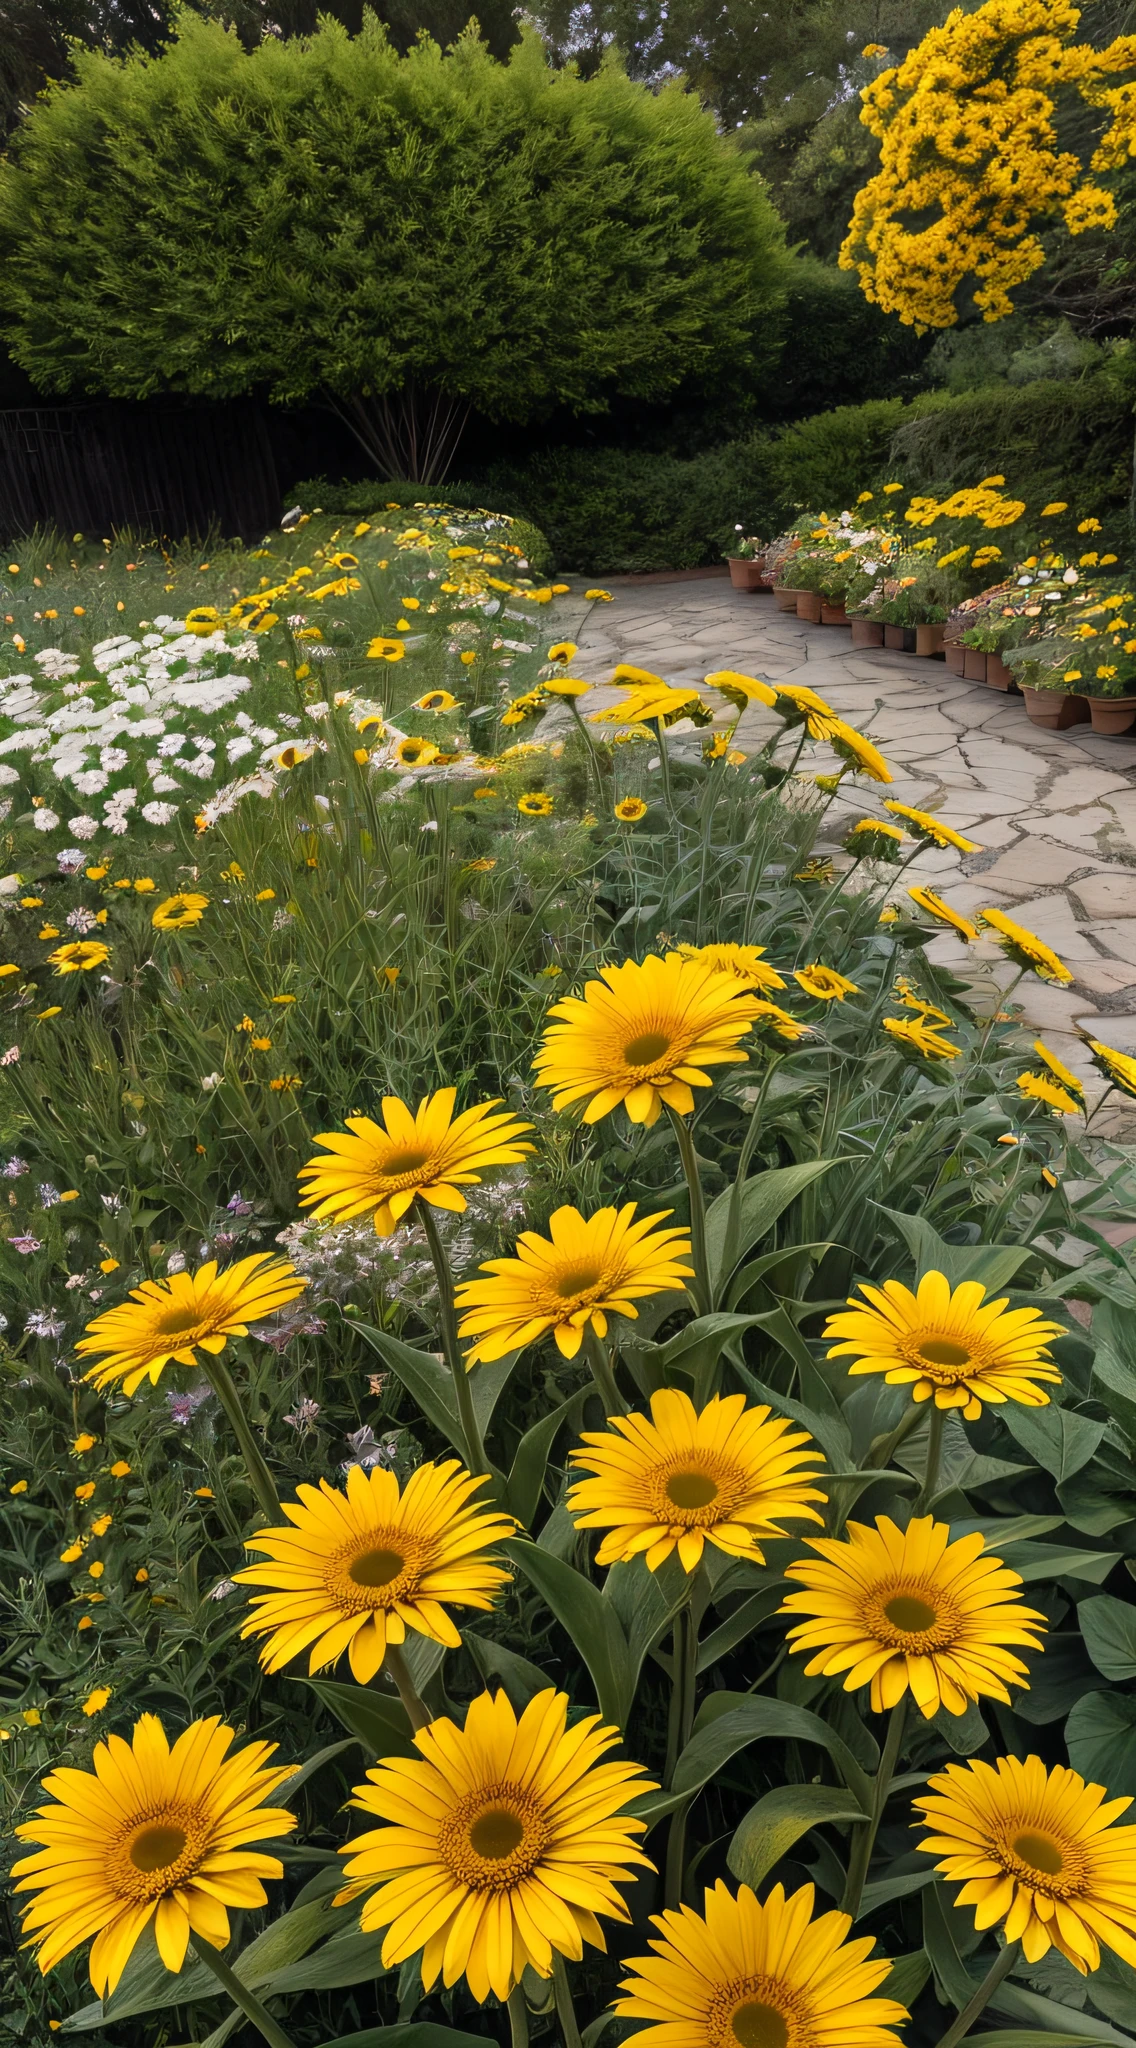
{"x":678,"y":1735}
{"x":883,"y":1450}
{"x":999,"y":1969}
{"x":518,"y":2019}
{"x":260,"y":1478}
{"x":603,"y":1372}
{"x":664,"y":765}
{"x":467,"y":1415}
{"x":749,"y":1147}
{"x":419,"y":1712}
{"x":595,"y":767}
{"x":700,"y":1286}
{"x":864,"y":1838}
{"x":565,"y":2009}
{"x":241,"y":1996}
{"x":934,"y":1452}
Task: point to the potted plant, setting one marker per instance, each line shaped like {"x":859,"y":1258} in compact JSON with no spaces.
{"x":746,"y":562}
{"x":1081,"y":647}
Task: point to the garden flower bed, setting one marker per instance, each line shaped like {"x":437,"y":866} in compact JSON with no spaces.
{"x":569,"y":1439}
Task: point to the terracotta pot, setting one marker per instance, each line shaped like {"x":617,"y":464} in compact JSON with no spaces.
{"x":866,"y":633}
{"x":974,"y":664}
{"x":832,"y":612}
{"x":1112,"y":714}
{"x":998,"y":675}
{"x":900,"y":637}
{"x":808,"y":606}
{"x":928,"y":640}
{"x":745,"y":575}
{"x":955,"y":655}
{"x":1057,"y":710}
{"x":786,"y":598}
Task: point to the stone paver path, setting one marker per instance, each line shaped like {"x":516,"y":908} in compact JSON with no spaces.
{"x":1054,"y":813}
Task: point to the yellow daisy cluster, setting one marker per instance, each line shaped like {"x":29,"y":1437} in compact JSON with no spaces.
{"x":970,"y":157}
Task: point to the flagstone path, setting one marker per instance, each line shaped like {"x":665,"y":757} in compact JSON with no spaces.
{"x":1054,"y":813}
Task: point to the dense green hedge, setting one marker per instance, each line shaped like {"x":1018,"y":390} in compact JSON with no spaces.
{"x":609,"y":511}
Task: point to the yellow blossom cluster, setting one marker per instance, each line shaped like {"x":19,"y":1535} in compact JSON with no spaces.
{"x":969,"y":157}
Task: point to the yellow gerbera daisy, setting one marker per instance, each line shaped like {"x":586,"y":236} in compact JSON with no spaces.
{"x":929,"y":828}
{"x":824,"y":983}
{"x":744,"y":1975}
{"x":79,"y":956}
{"x":507,"y":1838}
{"x":862,"y":757}
{"x":362,"y":1565}
{"x":745,"y":963}
{"x":1040,"y":1853}
{"x":1043,"y":1088}
{"x":781,"y":1022}
{"x":427,"y":1153}
{"x":641,"y":1036}
{"x":683,"y":1477}
{"x":798,"y":705}
{"x":188,"y":1312}
{"x":935,"y":907}
{"x":1025,"y":947}
{"x":647,"y":702}
{"x":414,"y":752}
{"x":954,"y":1346}
{"x":435,"y":700}
{"x":584,"y":1271}
{"x":741,"y":690}
{"x":1117,"y":1067}
{"x":629,"y":810}
{"x":1058,"y":1068}
{"x":384,"y":649}
{"x":920,"y":1037}
{"x":564,"y":650}
{"x":150,"y":1833}
{"x":177,"y":911}
{"x":908,"y":1610}
{"x":536,"y":803}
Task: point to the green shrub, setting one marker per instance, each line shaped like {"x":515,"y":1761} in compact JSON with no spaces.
{"x":838,"y":349}
{"x":365,"y":498}
{"x":325,"y":216}
{"x":1050,"y":439}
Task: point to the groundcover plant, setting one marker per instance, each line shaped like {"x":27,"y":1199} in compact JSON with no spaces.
{"x":569,"y":1428}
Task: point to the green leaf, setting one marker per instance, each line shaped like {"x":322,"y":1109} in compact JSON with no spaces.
{"x":518,"y":1679}
{"x":379,"y":1720}
{"x":351,"y":1958}
{"x":414,"y":2034}
{"x":1053,"y":1561}
{"x":715,"y":1742}
{"x":1018,"y":2037}
{"x":530,"y":1460}
{"x":694,"y":1350}
{"x":906,"y":1978}
{"x":1114,"y":1365}
{"x":322,"y":1756}
{"x":646,"y":1603}
{"x":991,"y":1264}
{"x":747,"y":1617}
{"x":428,"y":1379}
{"x":1100,"y":1736}
{"x":764,"y":1197}
{"x":1055,"y":1438}
{"x":1109,"y":1630}
{"x":590,"y":1620}
{"x":779,"y":1819}
{"x":832,"y":1434}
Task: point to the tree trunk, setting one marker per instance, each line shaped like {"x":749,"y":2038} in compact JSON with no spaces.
{"x":412,"y":437}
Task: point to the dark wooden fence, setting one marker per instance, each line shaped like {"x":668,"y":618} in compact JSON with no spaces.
{"x":168,"y":470}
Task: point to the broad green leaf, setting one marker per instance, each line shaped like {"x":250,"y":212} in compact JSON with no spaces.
{"x":1018,"y":2037}
{"x":1034,"y":1561}
{"x":1055,"y":1438}
{"x":764,"y":1196}
{"x":779,"y":1819}
{"x":694,"y":1351}
{"x":412,"y":2034}
{"x":1060,"y":1677}
{"x":885,"y":1889}
{"x":760,"y":1606}
{"x":939,"y":1939}
{"x":1100,"y":1736}
{"x":379,"y":1720}
{"x":715,"y":1742}
{"x":590,"y":1620}
{"x":428,"y":1379}
{"x":1109,"y":1630}
{"x":315,"y":1763}
{"x":906,"y":1978}
{"x":518,"y":1679}
{"x":964,"y":1733}
{"x":530,"y":1459}
{"x":832,"y":1435}
{"x":991,"y":1264}
{"x":646,"y":1603}
{"x":746,"y":1277}
{"x":351,"y":1958}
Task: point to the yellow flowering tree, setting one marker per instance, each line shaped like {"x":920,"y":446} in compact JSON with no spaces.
{"x":971,"y":163}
